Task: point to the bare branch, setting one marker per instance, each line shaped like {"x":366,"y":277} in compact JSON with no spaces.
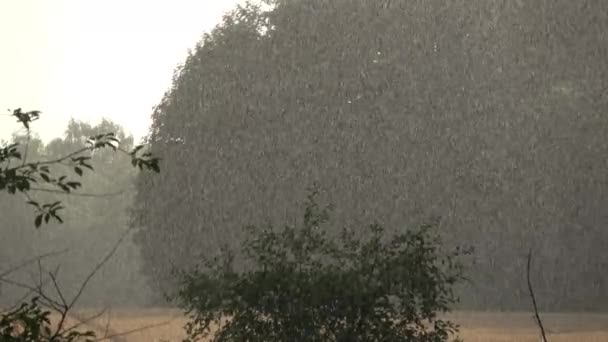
{"x":45,"y":300}
{"x":53,"y":277}
{"x":81,"y":194}
{"x":132,"y":331}
{"x":29,"y":261}
{"x":85,"y":321}
{"x":539,"y":322}
{"x":99,"y":266}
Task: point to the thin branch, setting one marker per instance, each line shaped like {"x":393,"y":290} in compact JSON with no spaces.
{"x":61,"y":159}
{"x":142,"y":328}
{"x":99,"y":266}
{"x":539,"y":322}
{"x":17,"y":303}
{"x":106,"y":330}
{"x":44,"y":298}
{"x":81,"y":194}
{"x":85,"y":321}
{"x":53,"y":277}
{"x":29,"y":261}
{"x":58,"y":160}
{"x":25,"y":296}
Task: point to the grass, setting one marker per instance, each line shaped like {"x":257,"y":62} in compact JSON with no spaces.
{"x":515,"y":327}
{"x":166,"y":325}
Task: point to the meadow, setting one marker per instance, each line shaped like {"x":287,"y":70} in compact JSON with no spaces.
{"x":156,"y":325}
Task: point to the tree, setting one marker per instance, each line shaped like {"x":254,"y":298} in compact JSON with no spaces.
{"x":20,"y":175}
{"x":302,"y":285}
{"x":480,"y":112}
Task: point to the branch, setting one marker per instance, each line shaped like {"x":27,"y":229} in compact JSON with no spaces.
{"x":58,"y":160}
{"x":29,"y":261}
{"x":45,"y":300}
{"x":85,"y":321}
{"x":98,"y":266}
{"x":62,"y":306}
{"x":142,"y":328}
{"x":536,"y":315}
{"x":82,"y":194}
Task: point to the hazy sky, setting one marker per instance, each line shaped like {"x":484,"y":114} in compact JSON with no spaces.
{"x":90,"y":59}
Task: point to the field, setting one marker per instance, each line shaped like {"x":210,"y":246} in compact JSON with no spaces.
{"x":166,"y":325}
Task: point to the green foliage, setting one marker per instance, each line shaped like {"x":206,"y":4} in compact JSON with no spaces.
{"x":30,"y":323}
{"x":98,"y":215}
{"x":23,"y":176}
{"x":19,"y":175}
{"x":302,"y":285}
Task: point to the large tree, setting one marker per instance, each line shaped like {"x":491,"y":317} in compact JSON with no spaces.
{"x":489,"y":114}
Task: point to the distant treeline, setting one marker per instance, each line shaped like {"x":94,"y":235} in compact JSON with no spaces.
{"x":92,"y":226}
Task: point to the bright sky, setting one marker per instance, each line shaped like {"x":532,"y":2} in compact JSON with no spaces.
{"x":94,"y":59}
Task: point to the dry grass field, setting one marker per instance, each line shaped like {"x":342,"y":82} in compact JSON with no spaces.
{"x":166,"y":325}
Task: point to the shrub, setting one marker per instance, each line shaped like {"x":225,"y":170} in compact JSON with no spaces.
{"x":303,"y":285}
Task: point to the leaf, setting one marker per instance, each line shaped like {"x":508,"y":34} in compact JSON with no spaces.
{"x":154,"y":166}
{"x":73,"y":185}
{"x":136,"y":149}
{"x":34,"y":203}
{"x":38,"y":221}
{"x":78,"y":171}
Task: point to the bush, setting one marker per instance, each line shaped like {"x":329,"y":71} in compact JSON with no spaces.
{"x":302,"y":285}
{"x":30,"y":323}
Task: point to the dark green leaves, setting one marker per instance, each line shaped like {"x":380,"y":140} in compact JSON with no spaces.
{"x":103,"y":140}
{"x":19,"y":177}
{"x":10,"y":151}
{"x":30,"y":323}
{"x":26,"y":118}
{"x":145,"y":160}
{"x":46,"y":212}
{"x":81,"y":161}
{"x":303,"y":285}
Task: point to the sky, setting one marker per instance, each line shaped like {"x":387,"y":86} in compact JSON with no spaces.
{"x":92,"y":59}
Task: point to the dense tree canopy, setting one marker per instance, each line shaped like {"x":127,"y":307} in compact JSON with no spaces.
{"x":490,"y":114}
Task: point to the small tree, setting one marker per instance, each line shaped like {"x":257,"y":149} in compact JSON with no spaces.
{"x":302,"y":285}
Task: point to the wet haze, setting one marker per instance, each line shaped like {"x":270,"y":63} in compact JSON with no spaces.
{"x":89,"y":60}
